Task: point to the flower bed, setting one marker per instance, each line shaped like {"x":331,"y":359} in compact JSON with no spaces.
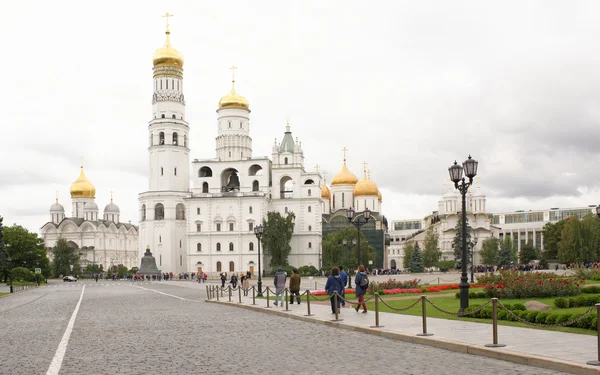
{"x":518,"y":284}
{"x":427,"y":289}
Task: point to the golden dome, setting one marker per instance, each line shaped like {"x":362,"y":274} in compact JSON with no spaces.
{"x":167,"y":55}
{"x":233,"y":100}
{"x":325,"y":192}
{"x":344,"y":177}
{"x":366,"y":187}
{"x":82,"y":188}
{"x":379,"y":197}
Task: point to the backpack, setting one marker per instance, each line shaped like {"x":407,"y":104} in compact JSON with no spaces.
{"x":364,"y":282}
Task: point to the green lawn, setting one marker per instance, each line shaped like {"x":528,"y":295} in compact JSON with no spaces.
{"x":4,"y":294}
{"x":453,"y":304}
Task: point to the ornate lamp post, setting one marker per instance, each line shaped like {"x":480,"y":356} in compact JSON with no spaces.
{"x":258,"y":231}
{"x":358,"y":223}
{"x":456,"y":175}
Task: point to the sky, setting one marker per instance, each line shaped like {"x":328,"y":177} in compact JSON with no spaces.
{"x":406,"y":86}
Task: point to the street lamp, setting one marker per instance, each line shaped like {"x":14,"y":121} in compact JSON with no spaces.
{"x":345,"y":242}
{"x":456,"y":175}
{"x":358,"y":223}
{"x":258,"y":231}
{"x":9,"y":264}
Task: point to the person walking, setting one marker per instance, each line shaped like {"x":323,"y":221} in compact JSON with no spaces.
{"x":279,"y":281}
{"x":344,"y":278}
{"x":223,"y":279}
{"x":234,"y":280}
{"x":245,"y":284}
{"x":362,"y":284}
{"x":295,"y":281}
{"x":334,"y":284}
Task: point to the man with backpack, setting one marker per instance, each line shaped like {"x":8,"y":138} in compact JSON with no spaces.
{"x":362,"y":284}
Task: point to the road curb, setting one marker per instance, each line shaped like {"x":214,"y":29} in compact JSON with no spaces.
{"x":454,"y":346}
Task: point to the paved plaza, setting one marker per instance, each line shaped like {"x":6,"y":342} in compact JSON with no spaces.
{"x":125,"y":327}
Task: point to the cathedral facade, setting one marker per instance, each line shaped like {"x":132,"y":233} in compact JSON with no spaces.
{"x":210,"y":227}
{"x":104,"y":241}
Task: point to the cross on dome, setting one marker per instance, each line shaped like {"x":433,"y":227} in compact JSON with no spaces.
{"x":167,"y":15}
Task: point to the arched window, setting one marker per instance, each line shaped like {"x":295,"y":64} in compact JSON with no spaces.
{"x":231,"y":246}
{"x":159,"y":240}
{"x":241,"y":124}
{"x":218,"y":246}
{"x":309,"y":182}
{"x":255,"y":186}
{"x":205,"y":187}
{"x":309,"y":208}
{"x":162,"y":171}
{"x":310,"y":245}
{"x":198,"y":211}
{"x":250,"y":209}
{"x":159,"y":211}
{"x":199,"y":247}
{"x":218,"y":266}
{"x":309,"y":192}
{"x":255,"y":170}
{"x":251,"y":246}
{"x":161,"y":137}
{"x":143,"y":212}
{"x":174,"y":117}
{"x":175,"y":138}
{"x":180,"y":212}
{"x":309,"y":228}
{"x":285,"y":160}
{"x":229,"y":124}
{"x":205,"y":172}
{"x":163,"y":115}
{"x":231,"y":267}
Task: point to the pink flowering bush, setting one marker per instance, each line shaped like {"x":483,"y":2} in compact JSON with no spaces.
{"x":519,"y":284}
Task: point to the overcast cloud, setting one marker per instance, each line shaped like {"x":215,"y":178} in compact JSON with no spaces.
{"x":407,"y":86}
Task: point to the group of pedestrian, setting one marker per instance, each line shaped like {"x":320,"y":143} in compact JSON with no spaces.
{"x":280,"y":280}
{"x":337,"y":281}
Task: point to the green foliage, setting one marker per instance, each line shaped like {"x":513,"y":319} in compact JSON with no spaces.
{"x":118,"y":270}
{"x":416,"y":260}
{"x":91,"y":269}
{"x":552,"y":235}
{"x":506,"y":253}
{"x":431,"y":252}
{"x":541,"y":317}
{"x":518,"y":284}
{"x":277,"y":236}
{"x":561,"y":303}
{"x":408,"y":249}
{"x":457,"y":241}
{"x":580,"y":240}
{"x":22,"y":274}
{"x":528,"y":253}
{"x":64,"y":257}
{"x":446,"y":264}
{"x":335,"y":253}
{"x":519,"y":307}
{"x":26,"y":249}
{"x":594,"y":289}
{"x":308,"y":271}
{"x":551,"y":318}
{"x":489,"y":250}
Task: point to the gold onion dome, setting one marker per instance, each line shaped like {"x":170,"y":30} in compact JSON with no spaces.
{"x":344,"y":177}
{"x":366,"y":187}
{"x":379,"y":197}
{"x":167,"y":55}
{"x":325,"y":192}
{"x":233,"y":100}
{"x":82,"y":187}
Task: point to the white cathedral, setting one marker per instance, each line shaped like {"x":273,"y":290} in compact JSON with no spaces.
{"x":210,"y":227}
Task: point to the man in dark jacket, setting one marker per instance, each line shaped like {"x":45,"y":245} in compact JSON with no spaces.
{"x":279,"y":281}
{"x":295,"y":286}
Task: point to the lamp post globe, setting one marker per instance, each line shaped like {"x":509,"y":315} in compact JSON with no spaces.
{"x":350,"y":213}
{"x":358,"y":223}
{"x":258,"y":232}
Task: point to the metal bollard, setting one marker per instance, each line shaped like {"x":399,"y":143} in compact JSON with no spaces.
{"x":315,"y":285}
{"x":424,"y":316}
{"x":240,"y":294}
{"x":268,"y":298}
{"x":229,"y":293}
{"x":207,"y":294}
{"x":217,"y":293}
{"x":286,"y":300}
{"x":495,"y":325}
{"x":308,"y":303}
{"x":376,"y":312}
{"x":597,"y":362}
{"x":221,"y":292}
{"x":253,"y":295}
{"x":335,"y":304}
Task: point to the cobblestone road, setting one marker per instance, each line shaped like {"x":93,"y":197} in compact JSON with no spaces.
{"x":129,"y":328}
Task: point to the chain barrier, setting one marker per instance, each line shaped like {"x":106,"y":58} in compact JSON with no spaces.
{"x":563,"y":324}
{"x":399,"y":309}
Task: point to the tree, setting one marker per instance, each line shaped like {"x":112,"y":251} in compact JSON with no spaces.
{"x":335,"y":253}
{"x":432,"y":253}
{"x":416,"y":260}
{"x":552,"y":236}
{"x":408,"y":249}
{"x":26,"y":249}
{"x":528,"y":253}
{"x":506,"y":253}
{"x":92,"y":268}
{"x":489,"y":250}
{"x":571,"y":241}
{"x":590,"y":230}
{"x":457,"y":241}
{"x":64,"y":257}
{"x":277,"y":236}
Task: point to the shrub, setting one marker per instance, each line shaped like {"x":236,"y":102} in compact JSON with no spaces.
{"x":508,"y":306}
{"x":471,"y":308}
{"x":563,"y":318}
{"x":561,"y":303}
{"x":481,"y":295}
{"x":22,"y":274}
{"x":590,"y":289}
{"x":541,"y":317}
{"x":531,"y":316}
{"x":502,"y":315}
{"x":457,"y":295}
{"x":519,"y":306}
{"x":594,"y":323}
{"x":486,"y":313}
{"x":551,"y":318}
{"x":396,"y":284}
{"x":517,"y":284}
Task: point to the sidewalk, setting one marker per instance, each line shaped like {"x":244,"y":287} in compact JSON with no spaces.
{"x":559,"y":351}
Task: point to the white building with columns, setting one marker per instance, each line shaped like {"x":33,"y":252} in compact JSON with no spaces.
{"x":209,"y":227}
{"x":104,"y":241}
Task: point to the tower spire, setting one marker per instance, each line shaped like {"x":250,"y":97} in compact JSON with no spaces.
{"x":345,"y":149}
{"x":364,"y":169}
